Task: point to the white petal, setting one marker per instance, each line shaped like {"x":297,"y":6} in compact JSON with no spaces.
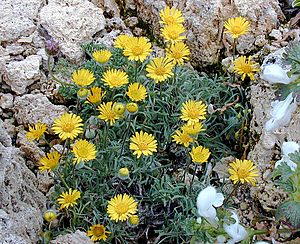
{"x":206,"y":198}
{"x":289,"y":147}
{"x":199,"y":220}
{"x":274,"y":73}
{"x":218,"y":200}
{"x":221,"y":239}
{"x":262,"y":242}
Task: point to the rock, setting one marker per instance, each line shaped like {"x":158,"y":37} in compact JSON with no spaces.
{"x":44,"y":181}
{"x":30,"y":109}
{"x":4,"y":136}
{"x":276,"y":34}
{"x":14,"y":49}
{"x":21,"y":202}
{"x":8,"y":125}
{"x":21,"y":74}
{"x":109,"y":6}
{"x":6,"y":100}
{"x":204,"y":21}
{"x":131,"y":21}
{"x":17,"y":18}
{"x":72,"y":22}
{"x":78,"y":237}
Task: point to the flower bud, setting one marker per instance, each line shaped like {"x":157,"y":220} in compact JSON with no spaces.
{"x":50,"y":215}
{"x":134,"y":220}
{"x":119,"y":108}
{"x":132,"y":107}
{"x":90,"y":133}
{"x":82,"y":93}
{"x":123,"y":173}
{"x":52,"y":47}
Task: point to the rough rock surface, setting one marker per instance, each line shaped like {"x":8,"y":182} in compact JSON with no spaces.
{"x":204,"y":20}
{"x":78,"y":237}
{"x":6,"y":100}
{"x":30,"y":109}
{"x":21,"y":74}
{"x":72,"y":22}
{"x":21,"y":202}
{"x":17,"y":18}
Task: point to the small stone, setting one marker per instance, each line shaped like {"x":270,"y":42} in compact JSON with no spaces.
{"x":79,"y":237}
{"x":260,"y":41}
{"x":131,"y":21}
{"x":137,"y":31}
{"x":243,"y":206}
{"x":14,"y":49}
{"x":6,"y":100}
{"x":276,"y":34}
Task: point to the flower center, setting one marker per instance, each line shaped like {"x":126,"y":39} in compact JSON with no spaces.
{"x":137,"y":50}
{"x":193,"y":114}
{"x":122,"y":208}
{"x":160,"y":70}
{"x":236,"y":29}
{"x":242,"y":173}
{"x":170,"y":20}
{"x":69,"y":199}
{"x":143,"y":146}
{"x":68,"y":127}
{"x":173,"y":34}
{"x":82,"y":153}
{"x":98,"y":231}
{"x":177,"y":55}
{"x":247,"y":68}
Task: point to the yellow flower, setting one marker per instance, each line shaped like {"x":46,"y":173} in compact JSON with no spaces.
{"x":36,"y":132}
{"x":84,"y":151}
{"x":182,"y":138}
{"x":107,"y":112}
{"x":143,"y":143}
{"x":160,"y":69}
{"x":132,"y":107}
{"x":82,"y":93}
{"x":200,"y":154}
{"x":121,"y":207}
{"x":178,"y":52}
{"x":134,"y":220}
{"x":115,"y":78}
{"x":68,"y":199}
{"x":237,"y":26}
{"x":122,"y":40}
{"x":96,"y":95}
{"x":171,"y":16}
{"x":173,"y":33}
{"x":50,"y":215}
{"x":68,"y":126}
{"x":119,"y":108}
{"x":49,"y":162}
{"x":192,"y":129}
{"x":193,"y":111}
{"x":243,"y":171}
{"x":137,"y":48}
{"x":102,"y":56}
{"x":123,"y":173}
{"x":136,"y":92}
{"x":98,"y":232}
{"x":244,"y":67}
{"x":83,"y":77}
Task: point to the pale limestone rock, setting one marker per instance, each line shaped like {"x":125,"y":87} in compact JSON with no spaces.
{"x":204,"y":21}
{"x":6,"y":100}
{"x":21,"y":74}
{"x":109,"y":6}
{"x":72,"y":22}
{"x":21,"y":202}
{"x":17,"y":18}
{"x":14,"y":49}
{"x":30,"y":109}
{"x":79,"y":237}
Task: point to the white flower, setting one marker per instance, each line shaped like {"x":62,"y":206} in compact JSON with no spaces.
{"x":281,"y":113}
{"x":274,"y":73}
{"x":262,"y":242}
{"x":221,"y":239}
{"x":286,"y":149}
{"x":207,"y":199}
{"x":236,"y":231}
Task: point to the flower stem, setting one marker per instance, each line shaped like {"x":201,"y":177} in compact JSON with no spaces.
{"x":51,"y":73}
{"x":231,"y":193}
{"x":195,"y":170}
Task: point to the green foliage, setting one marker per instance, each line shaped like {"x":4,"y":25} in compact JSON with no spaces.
{"x":291,"y":211}
{"x":296,"y":3}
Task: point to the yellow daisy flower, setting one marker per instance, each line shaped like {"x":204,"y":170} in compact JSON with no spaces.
{"x":119,"y":108}
{"x":137,"y":48}
{"x":68,"y":126}
{"x":83,"y":77}
{"x":200,"y":154}
{"x":102,"y":56}
{"x":98,"y":232}
{"x":121,"y":207}
{"x":243,"y":171}
{"x":193,"y":111}
{"x":171,"y":16}
{"x":143,"y":143}
{"x":68,"y":199}
{"x":160,"y":69}
{"x":237,"y":26}
{"x":136,"y":92}
{"x":182,"y":138}
{"x":50,"y":161}
{"x":107,"y":113}
{"x":84,"y":151}
{"x":115,"y":78}
{"x":132,"y":107}
{"x":122,"y":40}
{"x":36,"y":132}
{"x":96,"y":95}
{"x":244,"y":67}
{"x":178,"y":52}
{"x":193,"y":129}
{"x":173,"y":33}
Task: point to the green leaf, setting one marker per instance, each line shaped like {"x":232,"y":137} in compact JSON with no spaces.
{"x":295,"y":157}
{"x":296,"y":3}
{"x":284,"y":171}
{"x":290,"y":211}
